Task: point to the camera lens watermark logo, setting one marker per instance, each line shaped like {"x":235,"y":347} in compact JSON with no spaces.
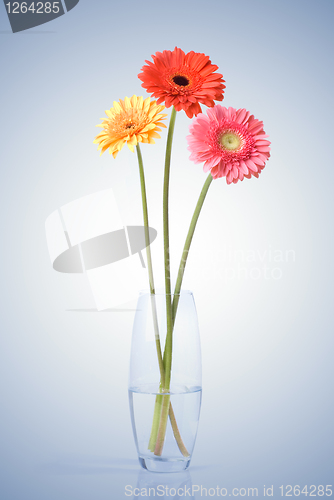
{"x":25,"y":15}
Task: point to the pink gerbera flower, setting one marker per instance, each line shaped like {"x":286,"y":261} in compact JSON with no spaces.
{"x":231,"y":143}
{"x":183,"y":80}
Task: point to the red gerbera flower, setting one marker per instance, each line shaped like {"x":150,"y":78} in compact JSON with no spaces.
{"x":183,"y":80}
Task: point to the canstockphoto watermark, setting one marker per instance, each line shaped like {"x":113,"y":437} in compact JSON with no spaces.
{"x":266,"y":263}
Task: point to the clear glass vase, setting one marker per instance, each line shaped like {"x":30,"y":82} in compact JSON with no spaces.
{"x":169,"y":447}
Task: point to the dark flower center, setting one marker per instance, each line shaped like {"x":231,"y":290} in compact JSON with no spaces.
{"x":180,"y":80}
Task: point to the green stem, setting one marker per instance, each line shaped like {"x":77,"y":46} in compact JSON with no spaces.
{"x":156,"y":417}
{"x":192,"y":227}
{"x":165,"y":200}
{"x":187,"y":244}
{"x":145,"y":217}
{"x":157,"y":412}
{"x":169,"y":344}
{"x":149,"y":257}
{"x":159,"y":399}
{"x":169,"y":335}
{"x":177,"y":291}
{"x":156,"y":422}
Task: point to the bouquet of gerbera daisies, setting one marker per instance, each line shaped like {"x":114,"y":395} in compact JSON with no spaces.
{"x":230,"y":143}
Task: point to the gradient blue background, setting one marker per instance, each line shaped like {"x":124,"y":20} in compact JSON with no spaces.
{"x":267,"y":414}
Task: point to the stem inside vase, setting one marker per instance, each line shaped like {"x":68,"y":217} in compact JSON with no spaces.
{"x":159,"y":399}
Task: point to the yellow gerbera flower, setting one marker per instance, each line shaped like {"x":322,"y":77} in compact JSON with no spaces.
{"x":130,"y":121}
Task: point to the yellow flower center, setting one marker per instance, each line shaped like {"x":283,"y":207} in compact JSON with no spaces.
{"x":230,"y":141}
{"x":126,"y":123}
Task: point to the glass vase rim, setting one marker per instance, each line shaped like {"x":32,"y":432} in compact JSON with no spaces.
{"x":160,"y":292}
